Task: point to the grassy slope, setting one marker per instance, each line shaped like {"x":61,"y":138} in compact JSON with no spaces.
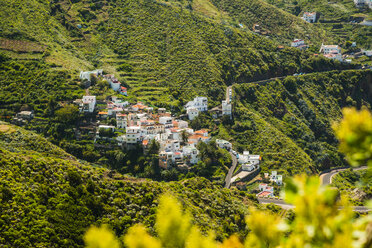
{"x":54,"y":198}
{"x":289,"y":121}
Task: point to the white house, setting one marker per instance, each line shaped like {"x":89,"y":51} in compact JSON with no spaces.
{"x":226,"y":108}
{"x":309,"y":17}
{"x":133,"y":135}
{"x":200,"y":103}
{"x":192,"y":113}
{"x":88,"y":104}
{"x":224,"y":144}
{"x":299,"y":43}
{"x":190,"y":153}
{"x":165,"y":120}
{"x":368,"y":53}
{"x":121,"y":120}
{"x":335,"y":56}
{"x":328,"y":49}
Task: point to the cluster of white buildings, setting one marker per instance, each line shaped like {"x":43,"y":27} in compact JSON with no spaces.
{"x":224,"y":144}
{"x":363,"y":3}
{"x":331,"y":52}
{"x":111,"y":79}
{"x":249,"y":161}
{"x":299,"y":43}
{"x":266,"y":190}
{"x":309,"y":17}
{"x":143,"y":125}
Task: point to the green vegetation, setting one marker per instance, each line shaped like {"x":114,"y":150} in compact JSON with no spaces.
{"x":51,"y":198}
{"x":356,"y":184}
{"x":289,"y":121}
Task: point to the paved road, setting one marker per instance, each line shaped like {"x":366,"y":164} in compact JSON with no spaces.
{"x":231,"y":171}
{"x":285,"y":205}
{"x":326,"y":178}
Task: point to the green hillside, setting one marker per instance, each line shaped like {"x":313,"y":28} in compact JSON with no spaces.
{"x":49,"y":199}
{"x":155,"y":47}
{"x":289,"y":121}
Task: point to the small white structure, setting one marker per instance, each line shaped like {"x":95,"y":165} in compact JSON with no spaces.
{"x":88,"y":104}
{"x":368,"y":53}
{"x":200,"y":103}
{"x":274,"y":177}
{"x":248,"y":167}
{"x":309,"y":17}
{"x":106,"y":127}
{"x":192,"y":113}
{"x":86,"y":75}
{"x":226,"y":108}
{"x":25,"y":115}
{"x":224,"y":144}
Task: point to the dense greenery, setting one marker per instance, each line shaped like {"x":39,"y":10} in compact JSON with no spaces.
{"x":356,"y":184}
{"x":51,"y":198}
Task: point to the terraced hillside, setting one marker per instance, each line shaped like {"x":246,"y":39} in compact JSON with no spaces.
{"x":51,"y":198}
{"x":165,"y":51}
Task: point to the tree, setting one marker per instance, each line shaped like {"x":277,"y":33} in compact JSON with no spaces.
{"x":68,"y":114}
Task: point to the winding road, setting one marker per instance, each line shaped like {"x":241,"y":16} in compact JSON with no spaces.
{"x":326,"y":178}
{"x":231,"y":170}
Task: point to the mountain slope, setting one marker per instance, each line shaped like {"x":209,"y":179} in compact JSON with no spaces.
{"x":48,"y":198}
{"x":155,"y":47}
{"x":289,"y":121}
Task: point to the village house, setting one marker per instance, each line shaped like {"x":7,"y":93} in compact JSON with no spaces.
{"x":121,"y":120}
{"x":88,"y":104}
{"x":299,"y":43}
{"x":102,"y":115}
{"x":133,"y":135}
{"x":265,"y":190}
{"x":192,"y":113}
{"x":199,"y":104}
{"x":224,"y":144}
{"x":309,"y":17}
{"x":331,"y":52}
